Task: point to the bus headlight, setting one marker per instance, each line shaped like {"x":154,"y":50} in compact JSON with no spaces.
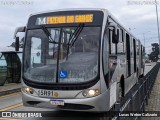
{"x":90,"y":92}
{"x":28,"y":90}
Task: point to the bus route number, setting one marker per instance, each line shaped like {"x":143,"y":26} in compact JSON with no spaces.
{"x":47,"y":93}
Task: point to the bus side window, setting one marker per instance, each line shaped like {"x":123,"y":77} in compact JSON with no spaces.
{"x":137,"y":47}
{"x":128,"y":47}
{"x":132,"y":54}
{"x":141,"y":55}
{"x":131,"y":46}
{"x":143,"y":51}
{"x":112,"y":46}
{"x":135,"y":57}
{"x":120,"y":45}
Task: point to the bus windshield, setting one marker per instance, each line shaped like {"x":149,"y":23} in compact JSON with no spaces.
{"x":66,"y":55}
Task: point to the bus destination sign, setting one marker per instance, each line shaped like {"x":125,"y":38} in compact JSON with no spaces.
{"x":85,"y":18}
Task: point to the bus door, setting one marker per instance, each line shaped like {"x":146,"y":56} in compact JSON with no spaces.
{"x":112,"y":56}
{"x":113,"y":71}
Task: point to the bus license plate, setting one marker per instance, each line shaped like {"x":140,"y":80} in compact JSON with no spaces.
{"x":57,"y":102}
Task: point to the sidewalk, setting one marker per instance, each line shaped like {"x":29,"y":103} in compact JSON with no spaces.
{"x":154,"y":100}
{"x":10,"y":88}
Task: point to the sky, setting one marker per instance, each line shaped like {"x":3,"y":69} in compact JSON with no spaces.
{"x":138,"y":15}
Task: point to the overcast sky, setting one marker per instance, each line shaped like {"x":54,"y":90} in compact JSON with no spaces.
{"x":139,"y":15}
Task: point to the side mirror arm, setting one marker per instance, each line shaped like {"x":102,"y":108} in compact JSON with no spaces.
{"x":19,"y":29}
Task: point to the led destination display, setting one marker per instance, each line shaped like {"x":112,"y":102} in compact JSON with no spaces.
{"x":85,"y":18}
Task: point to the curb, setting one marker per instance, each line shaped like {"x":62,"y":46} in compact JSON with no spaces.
{"x":10,"y":91}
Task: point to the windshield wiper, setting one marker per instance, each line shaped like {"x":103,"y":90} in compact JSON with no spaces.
{"x":76,"y":33}
{"x":48,"y":34}
{"x":74,"y":36}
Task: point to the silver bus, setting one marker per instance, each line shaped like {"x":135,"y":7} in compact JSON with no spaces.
{"x":78,"y":59}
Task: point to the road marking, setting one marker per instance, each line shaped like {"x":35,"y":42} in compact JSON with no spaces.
{"x":11,"y":107}
{"x":9,"y":95}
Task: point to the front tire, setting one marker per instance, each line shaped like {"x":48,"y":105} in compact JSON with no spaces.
{"x":120,"y":93}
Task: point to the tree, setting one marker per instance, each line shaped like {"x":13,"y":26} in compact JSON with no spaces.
{"x":153,"y":56}
{"x":20,"y":43}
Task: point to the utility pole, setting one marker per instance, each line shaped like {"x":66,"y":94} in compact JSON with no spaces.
{"x":144,"y":39}
{"x":157,"y":25}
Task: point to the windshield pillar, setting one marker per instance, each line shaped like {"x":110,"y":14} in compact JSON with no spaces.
{"x":58,"y":56}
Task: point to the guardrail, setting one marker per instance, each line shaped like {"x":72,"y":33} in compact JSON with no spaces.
{"x":137,"y":98}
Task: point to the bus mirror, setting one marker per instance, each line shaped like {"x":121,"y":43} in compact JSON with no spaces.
{"x":17,"y":44}
{"x":19,"y":29}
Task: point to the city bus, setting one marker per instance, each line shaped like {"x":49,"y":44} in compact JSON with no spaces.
{"x":78,"y":60}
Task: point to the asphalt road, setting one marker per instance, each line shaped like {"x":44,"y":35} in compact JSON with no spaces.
{"x":13,"y":102}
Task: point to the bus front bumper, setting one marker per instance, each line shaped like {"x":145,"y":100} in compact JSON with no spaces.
{"x":98,"y":103}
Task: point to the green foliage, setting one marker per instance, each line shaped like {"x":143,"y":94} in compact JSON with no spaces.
{"x":153,"y":56}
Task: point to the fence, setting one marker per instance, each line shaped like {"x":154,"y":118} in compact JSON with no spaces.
{"x":137,"y":98}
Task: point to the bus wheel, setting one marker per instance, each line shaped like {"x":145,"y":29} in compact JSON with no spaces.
{"x":120,"y":94}
{"x":121,"y":90}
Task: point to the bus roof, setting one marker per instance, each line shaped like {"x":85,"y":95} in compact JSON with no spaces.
{"x":71,"y":9}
